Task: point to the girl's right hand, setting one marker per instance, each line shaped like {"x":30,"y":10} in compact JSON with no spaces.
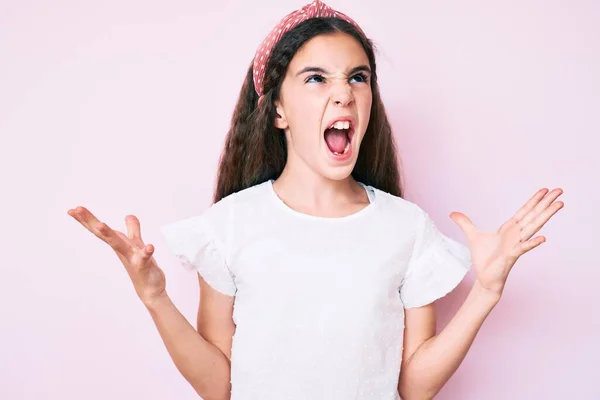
{"x":148,"y":279}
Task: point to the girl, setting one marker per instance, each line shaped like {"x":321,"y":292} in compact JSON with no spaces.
{"x":317,"y":279}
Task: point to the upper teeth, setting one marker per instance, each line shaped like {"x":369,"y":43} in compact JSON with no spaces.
{"x":341,"y":125}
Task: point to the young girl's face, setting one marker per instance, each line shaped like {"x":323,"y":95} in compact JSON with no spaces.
{"x":325,"y":104}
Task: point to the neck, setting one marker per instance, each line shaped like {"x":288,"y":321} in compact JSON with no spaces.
{"x":306,"y":190}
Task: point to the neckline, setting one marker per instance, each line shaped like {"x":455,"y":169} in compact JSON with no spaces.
{"x":365,"y":210}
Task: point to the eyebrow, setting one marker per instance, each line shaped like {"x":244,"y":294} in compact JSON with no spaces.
{"x":360,"y":68}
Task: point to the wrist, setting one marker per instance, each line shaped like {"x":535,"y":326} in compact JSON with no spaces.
{"x":484,"y":295}
{"x":155,"y":302}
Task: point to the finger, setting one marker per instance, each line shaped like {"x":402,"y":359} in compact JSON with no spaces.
{"x":87,"y":219}
{"x":464,"y":223}
{"x":530,"y":244}
{"x":529,"y":205}
{"x":133,"y":230}
{"x":140,"y":249}
{"x":117,"y":242}
{"x":122,"y":236}
{"x":101,"y":230}
{"x":82,"y":215}
{"x":540,"y":221}
{"x":540,"y":207}
{"x":147,"y":252}
{"x":144,"y":254}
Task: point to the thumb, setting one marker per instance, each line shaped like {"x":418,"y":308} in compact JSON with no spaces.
{"x":464,"y":223}
{"x":145,"y":254}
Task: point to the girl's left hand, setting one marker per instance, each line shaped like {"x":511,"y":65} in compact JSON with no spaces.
{"x":493,"y":254}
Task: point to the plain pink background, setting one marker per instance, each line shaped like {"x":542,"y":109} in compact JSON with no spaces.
{"x":122,"y":106}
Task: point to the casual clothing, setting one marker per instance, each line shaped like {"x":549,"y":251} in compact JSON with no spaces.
{"x":319,"y":302}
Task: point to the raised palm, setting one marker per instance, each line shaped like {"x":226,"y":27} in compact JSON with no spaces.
{"x":493,"y":254}
{"x":147,"y":278}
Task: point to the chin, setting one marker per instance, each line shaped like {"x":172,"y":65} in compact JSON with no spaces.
{"x":336,"y":173}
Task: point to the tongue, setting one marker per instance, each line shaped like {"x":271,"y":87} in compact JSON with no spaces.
{"x":336,"y":140}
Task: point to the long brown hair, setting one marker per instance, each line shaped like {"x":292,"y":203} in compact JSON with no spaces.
{"x":255,"y":150}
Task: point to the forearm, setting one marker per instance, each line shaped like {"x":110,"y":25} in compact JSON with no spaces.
{"x":202,"y":364}
{"x":434,"y":362}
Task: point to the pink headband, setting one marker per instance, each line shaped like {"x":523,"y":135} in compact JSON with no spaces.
{"x":312,"y":10}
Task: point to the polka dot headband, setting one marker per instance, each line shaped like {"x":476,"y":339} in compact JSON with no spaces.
{"x":312,"y":10}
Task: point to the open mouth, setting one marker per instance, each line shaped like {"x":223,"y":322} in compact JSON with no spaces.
{"x":339,"y":136}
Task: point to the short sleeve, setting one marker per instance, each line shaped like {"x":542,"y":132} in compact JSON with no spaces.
{"x":195,"y":244}
{"x":437,"y":265}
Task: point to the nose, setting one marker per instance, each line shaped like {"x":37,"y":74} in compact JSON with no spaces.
{"x":342,"y":95}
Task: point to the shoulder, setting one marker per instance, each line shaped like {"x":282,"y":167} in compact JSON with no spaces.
{"x":397,"y":207}
{"x":239,"y":207}
{"x":410,"y":217}
{"x":244,"y":200}
{"x":211,"y":228}
{"x":216,"y":220}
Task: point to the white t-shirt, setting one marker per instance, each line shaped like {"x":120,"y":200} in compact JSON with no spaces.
{"x":319,"y":302}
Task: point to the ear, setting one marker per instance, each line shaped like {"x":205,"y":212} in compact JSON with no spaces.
{"x":280,"y":120}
